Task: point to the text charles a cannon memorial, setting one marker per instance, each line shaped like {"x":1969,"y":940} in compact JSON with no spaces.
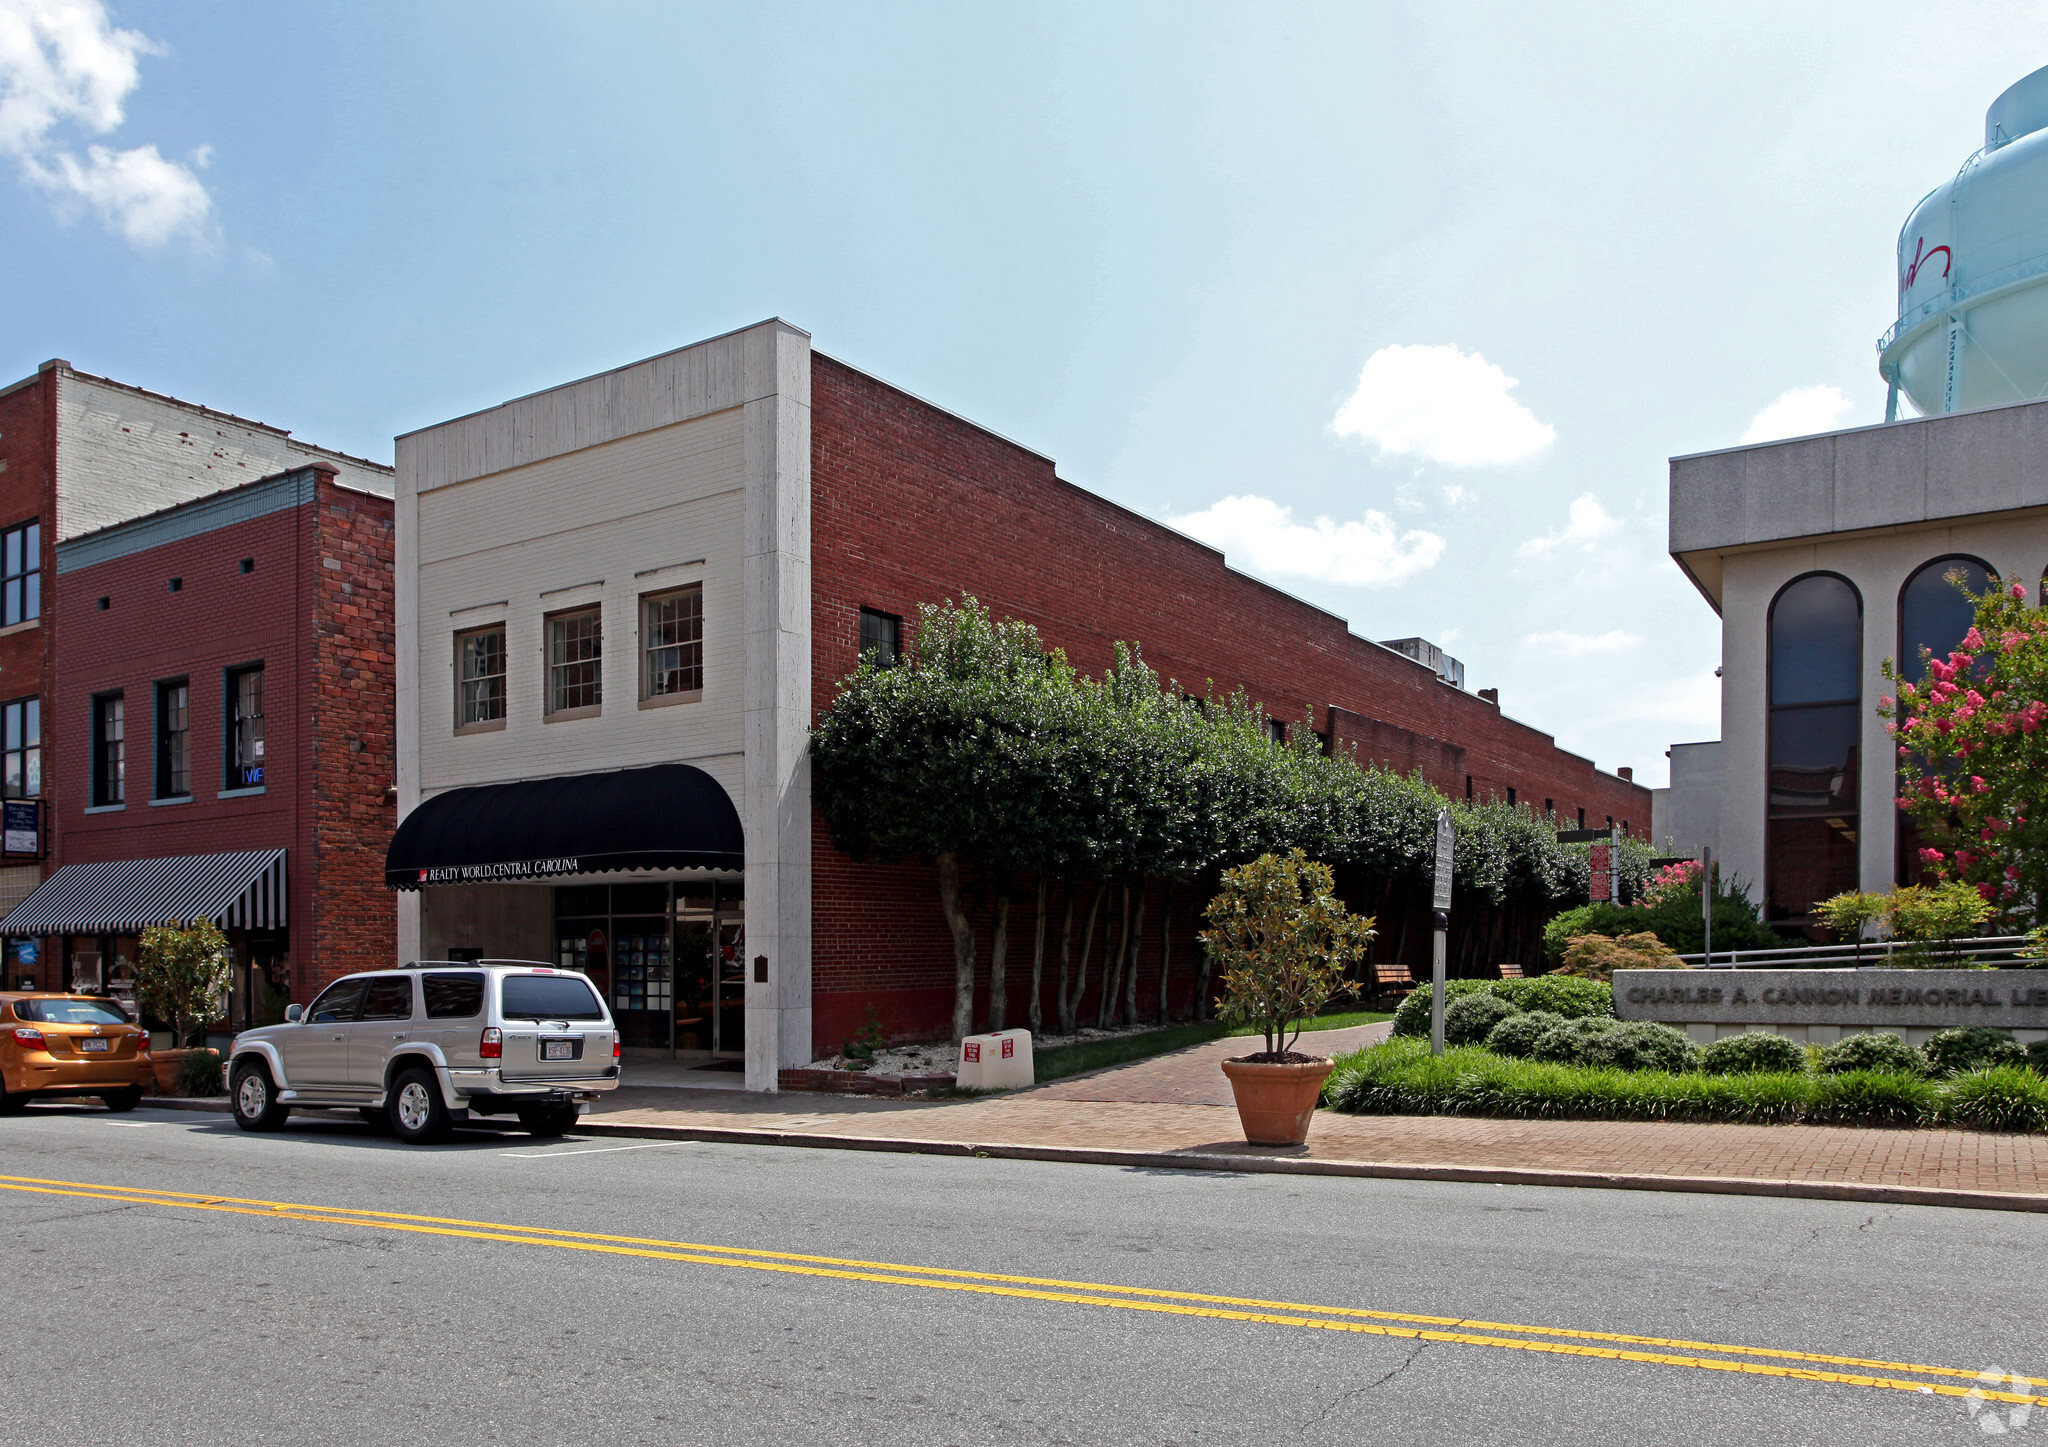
{"x":2008,"y":999}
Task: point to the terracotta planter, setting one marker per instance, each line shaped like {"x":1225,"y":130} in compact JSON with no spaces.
{"x":167,"y":1063}
{"x":1275,"y":1103}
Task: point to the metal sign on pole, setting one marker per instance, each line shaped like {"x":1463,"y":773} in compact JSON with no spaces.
{"x":1440,"y":904}
{"x":1707,"y":905}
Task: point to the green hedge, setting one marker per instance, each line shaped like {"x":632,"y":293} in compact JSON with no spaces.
{"x":1563,"y":995}
{"x":1401,"y":1077}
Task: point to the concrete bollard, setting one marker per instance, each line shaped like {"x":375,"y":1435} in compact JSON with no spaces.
{"x":1001,"y":1061}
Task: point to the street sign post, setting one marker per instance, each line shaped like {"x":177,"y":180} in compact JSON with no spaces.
{"x":1707,"y":905}
{"x":1446,"y":845}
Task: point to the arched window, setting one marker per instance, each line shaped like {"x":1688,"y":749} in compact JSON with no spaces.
{"x":1933,"y":613}
{"x":1933,"y":616}
{"x":1816,"y":716}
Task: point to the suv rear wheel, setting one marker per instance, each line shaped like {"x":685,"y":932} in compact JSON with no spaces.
{"x":415,"y":1108}
{"x":548,"y":1120}
{"x":255,"y":1098}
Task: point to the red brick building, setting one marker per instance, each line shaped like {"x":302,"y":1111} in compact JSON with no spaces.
{"x":126,"y":490}
{"x":780,"y":501}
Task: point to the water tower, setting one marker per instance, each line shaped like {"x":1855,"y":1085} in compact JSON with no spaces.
{"x":1973,"y":272}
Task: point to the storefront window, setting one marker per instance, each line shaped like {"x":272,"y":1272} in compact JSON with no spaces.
{"x":656,"y":952}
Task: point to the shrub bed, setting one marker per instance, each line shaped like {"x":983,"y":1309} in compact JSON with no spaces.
{"x":1559,"y":994}
{"x":1401,"y":1077}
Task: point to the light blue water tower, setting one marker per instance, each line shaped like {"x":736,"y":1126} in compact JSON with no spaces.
{"x":1973,"y":272}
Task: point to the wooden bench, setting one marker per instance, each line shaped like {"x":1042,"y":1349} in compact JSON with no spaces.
{"x":1391,"y":978}
{"x":1509,"y":970}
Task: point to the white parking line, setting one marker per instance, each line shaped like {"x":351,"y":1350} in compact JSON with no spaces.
{"x":593,"y":1151}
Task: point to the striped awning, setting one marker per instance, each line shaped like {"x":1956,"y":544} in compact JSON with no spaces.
{"x":123,"y":896}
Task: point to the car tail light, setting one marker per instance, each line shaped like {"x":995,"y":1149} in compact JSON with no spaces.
{"x":615,"y":1047}
{"x":142,"y":1043}
{"x":30,"y":1039}
{"x":492,"y":1046}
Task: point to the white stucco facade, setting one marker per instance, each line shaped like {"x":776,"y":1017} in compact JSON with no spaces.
{"x":692,"y":468}
{"x":1871,"y":505}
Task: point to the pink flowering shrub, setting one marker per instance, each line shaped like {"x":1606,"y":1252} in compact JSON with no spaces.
{"x":1973,"y":755}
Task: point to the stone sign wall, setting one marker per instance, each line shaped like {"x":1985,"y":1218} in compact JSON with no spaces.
{"x":1821,"y":1006}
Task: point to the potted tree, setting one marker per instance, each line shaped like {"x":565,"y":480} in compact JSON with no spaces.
{"x":1283,"y":941}
{"x":181,"y":976}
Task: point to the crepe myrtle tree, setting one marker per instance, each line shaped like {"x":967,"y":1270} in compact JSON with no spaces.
{"x":953,"y":756}
{"x":1973,"y":754}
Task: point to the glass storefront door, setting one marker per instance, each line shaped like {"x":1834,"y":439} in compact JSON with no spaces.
{"x":670,"y":958}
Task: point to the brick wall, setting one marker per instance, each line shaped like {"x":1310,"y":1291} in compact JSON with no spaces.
{"x":913,"y":505}
{"x":353,"y":923}
{"x":28,"y":481}
{"x":323,"y":636}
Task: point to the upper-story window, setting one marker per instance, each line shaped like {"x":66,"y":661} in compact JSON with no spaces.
{"x":672,"y":643}
{"x":1933,"y":613}
{"x":21,"y":721}
{"x":480,"y":668}
{"x":173,"y":739}
{"x":245,"y":727}
{"x":881,"y":637}
{"x":21,"y":573}
{"x":575,"y":660}
{"x":1816,"y":718}
{"x":109,"y":751}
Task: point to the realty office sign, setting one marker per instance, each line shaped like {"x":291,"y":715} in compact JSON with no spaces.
{"x":510,"y":869}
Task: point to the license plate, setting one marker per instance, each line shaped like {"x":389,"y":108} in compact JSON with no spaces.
{"x":561,"y":1049}
{"x":95,"y":1045}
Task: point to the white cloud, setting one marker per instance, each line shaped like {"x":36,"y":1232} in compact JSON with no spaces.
{"x":64,"y":62}
{"x":1442,"y":405}
{"x":1800,"y":413}
{"x":1582,"y":645}
{"x":1589,"y":526}
{"x":1260,"y":536}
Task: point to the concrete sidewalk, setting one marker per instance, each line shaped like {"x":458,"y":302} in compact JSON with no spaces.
{"x":1174,"y":1112}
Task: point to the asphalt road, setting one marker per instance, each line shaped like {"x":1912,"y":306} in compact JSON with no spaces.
{"x":162,"y":1296}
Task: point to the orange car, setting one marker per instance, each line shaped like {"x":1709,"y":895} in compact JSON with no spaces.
{"x":55,"y":1045}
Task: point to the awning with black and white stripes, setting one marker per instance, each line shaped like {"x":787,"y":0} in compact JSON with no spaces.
{"x":123,"y":896}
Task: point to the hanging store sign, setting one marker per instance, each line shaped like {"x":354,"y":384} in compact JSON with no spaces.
{"x":21,"y":828}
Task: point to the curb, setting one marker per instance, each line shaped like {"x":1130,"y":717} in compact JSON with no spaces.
{"x":1295,"y":1165}
{"x":1377,"y":1170}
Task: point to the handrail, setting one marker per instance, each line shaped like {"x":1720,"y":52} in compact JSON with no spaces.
{"x":1978,"y":949}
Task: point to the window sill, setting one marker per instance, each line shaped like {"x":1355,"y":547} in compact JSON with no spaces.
{"x":488,"y":726}
{"x":105,"y":808}
{"x":171,"y":799}
{"x":564,"y":715}
{"x":240,"y":793}
{"x":21,"y":627}
{"x":663,"y":700}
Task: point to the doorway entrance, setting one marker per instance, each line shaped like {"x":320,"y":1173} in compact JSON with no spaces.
{"x":670,"y":958}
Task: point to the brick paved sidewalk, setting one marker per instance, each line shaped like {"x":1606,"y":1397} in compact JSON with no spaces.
{"x":1166,"y":1112}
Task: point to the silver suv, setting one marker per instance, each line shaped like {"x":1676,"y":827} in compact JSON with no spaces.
{"x":432,"y":1045}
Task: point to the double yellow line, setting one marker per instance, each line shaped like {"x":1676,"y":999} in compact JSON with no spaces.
{"x":1558,"y":1341}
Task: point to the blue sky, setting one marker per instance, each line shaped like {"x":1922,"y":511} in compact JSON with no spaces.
{"x":1244,"y":267}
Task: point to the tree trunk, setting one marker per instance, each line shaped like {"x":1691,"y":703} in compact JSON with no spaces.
{"x":1113,"y":966}
{"x":998,"y":960}
{"x":1036,"y":1016}
{"x":1135,"y":948}
{"x":1165,"y":946}
{"x":1060,"y":1013}
{"x":963,"y":945}
{"x":1070,"y":1009}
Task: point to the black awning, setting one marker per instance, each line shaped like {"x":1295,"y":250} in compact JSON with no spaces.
{"x":670,"y":816}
